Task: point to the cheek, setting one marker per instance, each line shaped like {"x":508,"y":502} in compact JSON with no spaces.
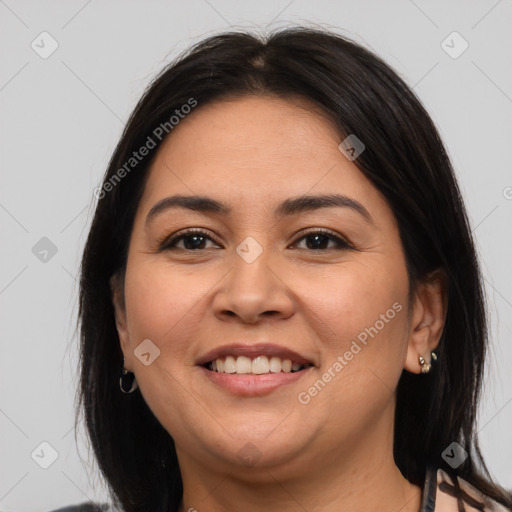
{"x":364,"y":324}
{"x":362,"y":305}
{"x":163,"y":305}
{"x":360,"y":320}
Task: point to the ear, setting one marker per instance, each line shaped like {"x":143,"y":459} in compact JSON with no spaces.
{"x":117,"y":294}
{"x":427,"y":319}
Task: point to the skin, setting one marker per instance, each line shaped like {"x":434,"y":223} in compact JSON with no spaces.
{"x":335,"y":452}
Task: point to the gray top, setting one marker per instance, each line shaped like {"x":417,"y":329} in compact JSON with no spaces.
{"x":88,"y":507}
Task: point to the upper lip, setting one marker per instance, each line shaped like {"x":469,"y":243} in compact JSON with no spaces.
{"x":253,"y":350}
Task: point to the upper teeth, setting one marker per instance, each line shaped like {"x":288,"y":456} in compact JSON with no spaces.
{"x":257,"y":365}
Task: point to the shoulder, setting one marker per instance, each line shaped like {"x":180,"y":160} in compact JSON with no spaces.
{"x":474,"y":501}
{"x":88,"y":507}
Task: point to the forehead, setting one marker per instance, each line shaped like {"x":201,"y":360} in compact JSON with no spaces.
{"x":255,"y":150}
{"x":237,"y":131}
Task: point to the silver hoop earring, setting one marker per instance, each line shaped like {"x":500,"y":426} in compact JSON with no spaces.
{"x":127,"y":382}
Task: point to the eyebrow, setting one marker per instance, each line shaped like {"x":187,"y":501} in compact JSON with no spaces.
{"x":291,"y":206}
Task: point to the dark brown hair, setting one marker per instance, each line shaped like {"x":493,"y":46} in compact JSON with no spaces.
{"x":404,"y":159}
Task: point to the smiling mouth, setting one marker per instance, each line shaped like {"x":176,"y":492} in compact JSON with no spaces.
{"x":259,"y":365}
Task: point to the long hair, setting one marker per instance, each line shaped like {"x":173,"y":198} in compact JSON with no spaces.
{"x":404,"y":159}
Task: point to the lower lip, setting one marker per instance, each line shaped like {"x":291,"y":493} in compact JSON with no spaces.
{"x":246,"y":384}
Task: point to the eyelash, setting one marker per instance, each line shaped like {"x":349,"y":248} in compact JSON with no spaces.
{"x":165,"y":243}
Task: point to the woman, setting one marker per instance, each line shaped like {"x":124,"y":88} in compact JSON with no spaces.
{"x":280,"y":302}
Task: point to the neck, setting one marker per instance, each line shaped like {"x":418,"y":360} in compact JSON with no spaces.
{"x":360,"y":475}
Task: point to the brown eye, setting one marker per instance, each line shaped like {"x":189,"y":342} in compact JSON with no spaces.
{"x":319,"y":240}
{"x":193,"y":240}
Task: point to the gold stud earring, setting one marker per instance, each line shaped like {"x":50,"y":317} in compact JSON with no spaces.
{"x":426,"y":367}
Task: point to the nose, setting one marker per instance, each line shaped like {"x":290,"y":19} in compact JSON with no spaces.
{"x":254,"y":289}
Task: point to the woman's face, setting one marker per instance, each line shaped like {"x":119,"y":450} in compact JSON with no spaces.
{"x":263,"y":280}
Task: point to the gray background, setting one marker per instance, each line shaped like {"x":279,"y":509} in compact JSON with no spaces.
{"x":62,"y":116}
